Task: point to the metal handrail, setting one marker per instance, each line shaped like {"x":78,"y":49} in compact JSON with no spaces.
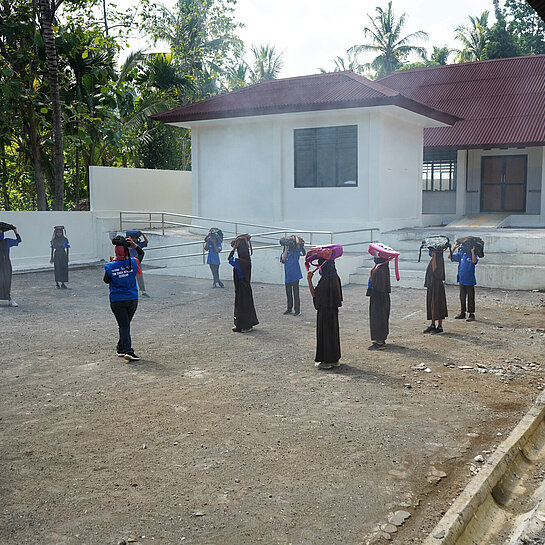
{"x":275,"y":231}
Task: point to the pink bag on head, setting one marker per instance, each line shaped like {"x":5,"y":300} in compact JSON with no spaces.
{"x":330,"y":252}
{"x":377,"y":249}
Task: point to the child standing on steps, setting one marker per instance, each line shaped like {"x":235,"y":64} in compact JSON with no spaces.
{"x":466,"y":260}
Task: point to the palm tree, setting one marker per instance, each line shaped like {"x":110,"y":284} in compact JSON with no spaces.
{"x":267,"y":63}
{"x":474,"y":38}
{"x":440,"y":55}
{"x":385,"y":34}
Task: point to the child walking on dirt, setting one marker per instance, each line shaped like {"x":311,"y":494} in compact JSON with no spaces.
{"x":120,"y":274}
{"x":59,"y":256}
{"x":436,"y":298}
{"x":466,"y":260}
{"x":135,"y":235}
{"x":293,"y":250}
{"x":327,"y":297}
{"x":378,"y":291}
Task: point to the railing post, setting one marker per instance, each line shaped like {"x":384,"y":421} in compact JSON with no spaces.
{"x":121,"y":221}
{"x":163,"y":222}
{"x":149,"y":219}
{"x":310,"y":237}
{"x":236,"y":229}
{"x":331,"y":238}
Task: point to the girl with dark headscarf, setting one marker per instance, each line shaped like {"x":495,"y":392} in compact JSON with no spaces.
{"x":245,"y":314}
{"x":378,"y":291}
{"x":327,"y":297}
{"x":436,"y":298}
{"x":5,"y":262}
{"x":59,"y":255}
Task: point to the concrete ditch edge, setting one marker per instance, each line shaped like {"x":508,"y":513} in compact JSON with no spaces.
{"x":449,"y":529}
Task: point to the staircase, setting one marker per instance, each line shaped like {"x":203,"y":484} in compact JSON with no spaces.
{"x":513,"y":258}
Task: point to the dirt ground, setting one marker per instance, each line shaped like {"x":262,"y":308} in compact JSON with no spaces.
{"x":220,"y":438}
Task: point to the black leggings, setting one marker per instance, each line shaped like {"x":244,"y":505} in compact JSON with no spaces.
{"x":123,"y":312}
{"x":292,"y":294}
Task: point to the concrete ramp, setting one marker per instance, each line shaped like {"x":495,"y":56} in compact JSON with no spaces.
{"x":479,"y":221}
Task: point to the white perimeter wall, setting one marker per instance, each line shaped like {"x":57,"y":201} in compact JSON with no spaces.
{"x":36,"y":229}
{"x":244,"y":168}
{"x":135,"y":189}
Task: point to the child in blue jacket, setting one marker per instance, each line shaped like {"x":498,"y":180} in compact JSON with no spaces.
{"x":466,"y":260}
{"x":292,"y":274}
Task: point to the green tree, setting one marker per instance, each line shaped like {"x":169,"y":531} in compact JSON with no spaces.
{"x":201,"y":36}
{"x":351,"y":63}
{"x":526,"y":25}
{"x":501,"y":42}
{"x":474,"y":38}
{"x":266,"y":63}
{"x":385,"y":33}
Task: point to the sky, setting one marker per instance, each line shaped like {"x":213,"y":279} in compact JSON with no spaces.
{"x":310,"y":34}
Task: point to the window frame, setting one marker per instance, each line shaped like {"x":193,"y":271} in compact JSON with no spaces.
{"x":316,"y":141}
{"x":436,"y":161}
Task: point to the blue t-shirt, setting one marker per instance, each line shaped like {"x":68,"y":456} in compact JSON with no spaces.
{"x":213,"y":256}
{"x":292,"y":270}
{"x":233,"y":261}
{"x":466,"y":268}
{"x":132,"y":251}
{"x":122,"y":282}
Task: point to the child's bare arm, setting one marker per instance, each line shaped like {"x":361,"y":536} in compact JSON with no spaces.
{"x":310,"y":285}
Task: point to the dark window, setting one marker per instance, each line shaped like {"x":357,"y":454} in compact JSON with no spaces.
{"x":439,"y":171}
{"x":326,"y":157}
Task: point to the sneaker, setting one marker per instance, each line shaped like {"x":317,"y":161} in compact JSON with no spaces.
{"x":471,"y":318}
{"x":236,"y":329}
{"x":321,"y":365}
{"x":438,"y":329}
{"x":429,"y":329}
{"x":120,"y":354}
{"x":287,"y":311}
{"x":131,"y":356}
{"x":221,"y":285}
{"x":336,"y":364}
{"x":460,"y":316}
{"x":377,"y":346}
{"x":12,"y":303}
{"x":144,"y":294}
{"x":296,"y":313}
{"x":246,"y":330}
{"x":64,"y":286}
{"x":57,"y":286}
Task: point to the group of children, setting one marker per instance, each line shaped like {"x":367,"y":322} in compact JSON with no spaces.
{"x":124,"y":276}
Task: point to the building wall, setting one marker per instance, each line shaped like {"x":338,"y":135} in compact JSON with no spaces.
{"x":244,"y":168}
{"x":534,"y":184}
{"x":36,"y":230}
{"x":135,"y":189}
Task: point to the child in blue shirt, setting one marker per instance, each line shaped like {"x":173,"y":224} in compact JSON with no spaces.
{"x":135,"y":235}
{"x":212,"y":243}
{"x":292,"y":273}
{"x":466,"y":260}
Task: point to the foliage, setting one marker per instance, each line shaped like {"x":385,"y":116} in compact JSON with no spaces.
{"x":474,"y":38}
{"x":386,"y":40}
{"x":526,"y":25}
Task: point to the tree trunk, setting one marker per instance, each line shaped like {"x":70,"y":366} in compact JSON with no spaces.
{"x":77,"y":179}
{"x":36,"y":157}
{"x":47,"y":14}
{"x":5,"y":178}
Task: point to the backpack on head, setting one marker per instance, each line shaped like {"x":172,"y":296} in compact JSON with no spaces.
{"x":329,"y":252}
{"x":377,"y":249}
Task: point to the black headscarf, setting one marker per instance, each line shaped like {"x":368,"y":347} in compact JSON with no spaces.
{"x":244,"y":261}
{"x":328,"y":292}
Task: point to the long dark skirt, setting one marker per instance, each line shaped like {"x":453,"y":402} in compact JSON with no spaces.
{"x":379,"y":315}
{"x":436,"y":301}
{"x":245,"y":314}
{"x":328,"y":340}
{"x":60,"y":262}
{"x":5,"y":272}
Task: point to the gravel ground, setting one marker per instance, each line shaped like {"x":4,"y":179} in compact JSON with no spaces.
{"x":217,"y":438}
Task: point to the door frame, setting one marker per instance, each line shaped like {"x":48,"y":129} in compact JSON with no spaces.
{"x":503,"y":184}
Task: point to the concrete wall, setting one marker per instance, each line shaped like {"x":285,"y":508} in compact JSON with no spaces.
{"x":134,"y":189}
{"x":438,"y":202}
{"x":244,"y":168}
{"x":36,"y":229}
{"x":535,"y":186}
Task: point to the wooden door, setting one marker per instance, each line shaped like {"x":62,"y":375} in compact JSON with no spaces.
{"x":503,"y":183}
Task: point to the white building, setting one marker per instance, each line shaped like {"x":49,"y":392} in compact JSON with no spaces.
{"x":419,"y":147}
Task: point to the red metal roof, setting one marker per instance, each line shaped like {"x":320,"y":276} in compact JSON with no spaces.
{"x":337,"y":90}
{"x":501,"y":102}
